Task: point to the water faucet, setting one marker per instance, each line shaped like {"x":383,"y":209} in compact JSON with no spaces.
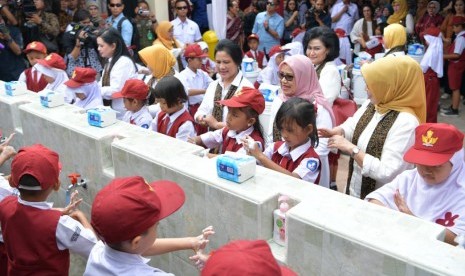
{"x":74,"y":184}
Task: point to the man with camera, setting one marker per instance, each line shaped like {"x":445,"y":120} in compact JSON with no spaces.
{"x":80,"y":44}
{"x":146,"y":24}
{"x":317,"y":16}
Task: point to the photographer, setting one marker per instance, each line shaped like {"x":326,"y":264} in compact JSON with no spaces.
{"x":146,"y":23}
{"x":80,"y":44}
{"x":41,"y":25}
{"x":317,"y":16}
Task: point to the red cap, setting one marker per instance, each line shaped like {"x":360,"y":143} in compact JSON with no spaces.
{"x":132,"y":197}
{"x":458,"y":20}
{"x":244,"y":258}
{"x":253,"y":36}
{"x":81,"y":76}
{"x":435,"y":144}
{"x":35,"y":46}
{"x":53,"y":61}
{"x":340,"y":33}
{"x":194,"y":51}
{"x":433,"y":31}
{"x":296,"y":32}
{"x":277,"y":49}
{"x":133,"y":89}
{"x":39,"y":162}
{"x":247,"y":96}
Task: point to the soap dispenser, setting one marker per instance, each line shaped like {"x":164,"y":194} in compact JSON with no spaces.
{"x":279,"y":221}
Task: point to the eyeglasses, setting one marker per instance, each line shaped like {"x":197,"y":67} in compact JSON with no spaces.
{"x":119,"y":5}
{"x":271,"y":4}
{"x":181,"y":8}
{"x":286,"y":76}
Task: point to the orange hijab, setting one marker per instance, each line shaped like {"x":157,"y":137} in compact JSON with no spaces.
{"x":163,"y":36}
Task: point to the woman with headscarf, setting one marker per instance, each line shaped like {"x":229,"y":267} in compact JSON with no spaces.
{"x":166,"y":38}
{"x":401,"y":15}
{"x":298,"y":78}
{"x":431,"y":18}
{"x":394,"y":40}
{"x":381,"y":130}
{"x":269,"y":74}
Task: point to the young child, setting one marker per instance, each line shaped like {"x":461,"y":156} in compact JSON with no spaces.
{"x":134,"y":94}
{"x":85,"y":88}
{"x":125,"y":240}
{"x":432,"y":65}
{"x":34,"y":80}
{"x":456,"y":68}
{"x":242,"y":121}
{"x":208,"y":65}
{"x":35,"y":173}
{"x":174,"y":119}
{"x":295,"y":155}
{"x":254,"y":53}
{"x":196,"y":80}
{"x":435,"y":189}
{"x":375,"y":43}
{"x":53,"y":68}
{"x":269,"y":74}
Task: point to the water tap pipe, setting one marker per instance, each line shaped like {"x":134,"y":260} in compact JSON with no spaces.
{"x":74,"y":184}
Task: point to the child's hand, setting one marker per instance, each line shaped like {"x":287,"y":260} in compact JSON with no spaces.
{"x":199,"y":259}
{"x":73,"y":205}
{"x":326,"y":132}
{"x":210,"y":121}
{"x":200,"y":242}
{"x":401,"y":204}
{"x":8,"y":152}
{"x":192,"y":140}
{"x":7,"y":141}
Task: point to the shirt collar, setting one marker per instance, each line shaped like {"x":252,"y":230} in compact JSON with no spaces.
{"x":121,"y":15}
{"x":191,"y":73}
{"x":175,"y":115}
{"x":241,"y":135}
{"x":43,"y":205}
{"x":123,"y":257}
{"x":236,"y":82}
{"x":138,"y":113}
{"x":295,"y":153}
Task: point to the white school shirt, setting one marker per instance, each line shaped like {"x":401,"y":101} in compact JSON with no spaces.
{"x":104,"y":260}
{"x":206,"y":107}
{"x":185,"y":130}
{"x":459,"y":45}
{"x":140,"y":118}
{"x":195,"y":80}
{"x":23,"y":78}
{"x":187,"y":31}
{"x":213,"y":139}
{"x":347,"y":20}
{"x":122,"y":71}
{"x":305,"y":172}
{"x":399,"y":139}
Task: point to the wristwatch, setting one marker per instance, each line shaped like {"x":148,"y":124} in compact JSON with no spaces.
{"x":355,"y":151}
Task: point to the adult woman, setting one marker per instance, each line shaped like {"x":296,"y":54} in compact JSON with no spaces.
{"x":165,"y":38}
{"x":430,"y":19}
{"x":228,"y":57}
{"x":363,"y":29}
{"x":42,"y":26}
{"x":458,"y":9}
{"x":234,"y":30}
{"x":119,"y":67}
{"x":401,"y":15}
{"x":394,"y":40}
{"x":291,"y":20}
{"x":381,"y":131}
{"x":299,"y":79}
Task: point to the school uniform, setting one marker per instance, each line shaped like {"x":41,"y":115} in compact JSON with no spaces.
{"x":34,"y":80}
{"x":230,"y":140}
{"x":456,"y":67}
{"x":208,"y":65}
{"x":302,"y":160}
{"x":179,"y":125}
{"x":140,"y":118}
{"x":258,"y":56}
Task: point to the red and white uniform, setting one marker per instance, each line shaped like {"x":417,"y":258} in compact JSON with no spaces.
{"x":259,"y":56}
{"x":456,"y":67}
{"x":140,"y":118}
{"x":230,"y":140}
{"x":179,"y":125}
{"x":34,"y":80}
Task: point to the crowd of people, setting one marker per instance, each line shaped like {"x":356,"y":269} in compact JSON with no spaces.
{"x":158,"y":75}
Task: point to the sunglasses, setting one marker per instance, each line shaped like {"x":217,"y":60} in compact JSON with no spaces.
{"x":181,"y":8}
{"x":271,"y":4}
{"x":119,"y":5}
{"x":286,"y":76}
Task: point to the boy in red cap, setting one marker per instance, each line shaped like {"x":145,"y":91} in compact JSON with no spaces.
{"x":135,"y":93}
{"x":196,"y":80}
{"x":244,"y":108}
{"x":35,"y":173}
{"x":85,"y":88}
{"x":128,"y":229}
{"x":269,"y":75}
{"x":34,"y":80}
{"x":254,"y":53}
{"x":435,"y":189}
{"x":456,"y":68}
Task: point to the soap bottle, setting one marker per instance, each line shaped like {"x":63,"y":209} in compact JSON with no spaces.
{"x":279,"y":221}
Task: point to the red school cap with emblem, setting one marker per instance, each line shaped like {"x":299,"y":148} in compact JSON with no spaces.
{"x":277,"y":49}
{"x":81,"y":76}
{"x":194,"y":51}
{"x":38,"y":161}
{"x":246,"y":96}
{"x":36,"y":46}
{"x":435,"y":144}
{"x":458,"y":20}
{"x":245,"y":258}
{"x":132,"y":197}
{"x":253,"y":36}
{"x":53,"y":61}
{"x":133,"y":89}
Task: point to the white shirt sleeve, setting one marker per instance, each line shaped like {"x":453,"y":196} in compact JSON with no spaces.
{"x":206,"y":107}
{"x":212,"y":139}
{"x":459,"y":45}
{"x":185,"y":131}
{"x":72,"y":235}
{"x":122,"y":70}
{"x":22,"y":77}
{"x":308,"y":169}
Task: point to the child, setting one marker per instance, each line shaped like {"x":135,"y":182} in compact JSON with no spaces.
{"x":435,"y":189}
{"x":174,"y":119}
{"x":34,"y":80}
{"x":269,"y":74}
{"x":53,"y":68}
{"x":242,"y":120}
{"x":125,"y":215}
{"x":258,"y":56}
{"x":375,"y":43}
{"x":456,"y":57}
{"x":432,"y":65}
{"x":208,"y":65}
{"x":85,"y":88}
{"x":134,"y":94}
{"x":196,"y":80}
{"x":295,"y":155}
{"x":35,"y":173}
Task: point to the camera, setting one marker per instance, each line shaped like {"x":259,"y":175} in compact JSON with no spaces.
{"x":143,"y":12}
{"x":28,"y":7}
{"x":89,"y":30}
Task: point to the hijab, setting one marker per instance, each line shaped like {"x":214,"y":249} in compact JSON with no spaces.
{"x":307,"y":83}
{"x":437,"y":6}
{"x":395,"y":83}
{"x":394,"y":35}
{"x":159,"y":59}
{"x":162,"y":35}
{"x":59,"y":75}
{"x":93,"y":95}
{"x":400,"y":15}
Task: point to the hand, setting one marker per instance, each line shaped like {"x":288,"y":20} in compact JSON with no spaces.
{"x":265,"y":24}
{"x":73,"y":205}
{"x":4,"y":36}
{"x":200,"y":242}
{"x":327,"y":133}
{"x":251,"y":147}
{"x":340,"y":143}
{"x":295,"y":13}
{"x":8,"y":152}
{"x":401,"y":204}
{"x":152,"y":16}
{"x":35,"y":18}
{"x":7,"y":141}
{"x":199,"y":259}
{"x":345,"y":8}
{"x":192,"y":140}
{"x":209,"y":120}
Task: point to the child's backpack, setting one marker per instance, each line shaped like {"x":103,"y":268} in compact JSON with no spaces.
{"x":135,"y":39}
